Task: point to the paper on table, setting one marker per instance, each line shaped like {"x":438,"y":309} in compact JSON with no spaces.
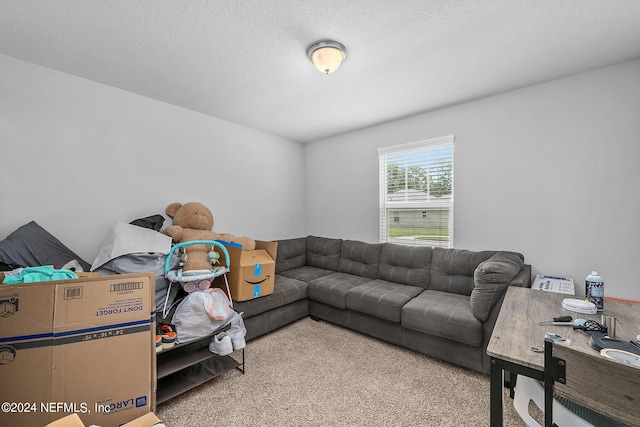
{"x":124,"y":239}
{"x":562,"y":285}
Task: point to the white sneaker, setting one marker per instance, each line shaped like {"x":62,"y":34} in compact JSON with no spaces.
{"x":237,"y":339}
{"x":237,"y":332}
{"x":221,"y":344}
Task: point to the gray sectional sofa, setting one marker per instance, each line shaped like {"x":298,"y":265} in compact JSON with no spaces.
{"x":439,"y":302}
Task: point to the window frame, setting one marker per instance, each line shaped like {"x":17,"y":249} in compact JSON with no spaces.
{"x":388,"y":207}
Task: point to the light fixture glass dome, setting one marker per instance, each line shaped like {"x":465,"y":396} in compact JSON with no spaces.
{"x":327,"y":55}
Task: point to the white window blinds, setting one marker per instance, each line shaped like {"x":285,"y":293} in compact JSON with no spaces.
{"x":416,"y":193}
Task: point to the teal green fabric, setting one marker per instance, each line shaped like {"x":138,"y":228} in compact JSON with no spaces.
{"x":37,"y":274}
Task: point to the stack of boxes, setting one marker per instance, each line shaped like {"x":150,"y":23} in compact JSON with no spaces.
{"x":83,"y":350}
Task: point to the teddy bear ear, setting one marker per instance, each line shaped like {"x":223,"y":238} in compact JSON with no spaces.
{"x":172,"y":209}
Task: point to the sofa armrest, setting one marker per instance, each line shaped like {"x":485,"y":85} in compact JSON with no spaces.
{"x":491,"y":279}
{"x":523,"y":278}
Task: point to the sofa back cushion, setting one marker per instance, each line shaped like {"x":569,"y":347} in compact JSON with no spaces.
{"x":452,"y":269}
{"x":359,"y":258}
{"x":292,"y":253}
{"x":408,"y":265}
{"x":323,"y":252}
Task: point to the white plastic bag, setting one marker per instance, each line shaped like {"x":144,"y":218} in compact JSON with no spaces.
{"x":200,"y":314}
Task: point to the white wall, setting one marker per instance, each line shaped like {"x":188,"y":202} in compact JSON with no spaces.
{"x":551,"y":171}
{"x":77,"y":156}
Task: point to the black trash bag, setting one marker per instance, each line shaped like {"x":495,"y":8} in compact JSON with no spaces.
{"x":153,"y":222}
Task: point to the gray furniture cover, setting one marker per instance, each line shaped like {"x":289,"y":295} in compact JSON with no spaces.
{"x":31,"y":245}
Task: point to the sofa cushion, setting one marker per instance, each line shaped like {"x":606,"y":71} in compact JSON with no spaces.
{"x":306,"y":273}
{"x":359,"y":258}
{"x":445,"y":315}
{"x":452,"y":269}
{"x":292,"y":253}
{"x":408,"y":265}
{"x":332,"y":289}
{"x":323,"y":252}
{"x":492,"y":278}
{"x":286,"y":291}
{"x":381,"y":299}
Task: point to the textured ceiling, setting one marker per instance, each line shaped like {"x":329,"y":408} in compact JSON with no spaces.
{"x":245,"y":61}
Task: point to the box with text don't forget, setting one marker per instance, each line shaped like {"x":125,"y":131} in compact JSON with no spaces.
{"x":84,"y":346}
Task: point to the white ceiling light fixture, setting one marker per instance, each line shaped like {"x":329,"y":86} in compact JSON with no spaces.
{"x":327,"y":55}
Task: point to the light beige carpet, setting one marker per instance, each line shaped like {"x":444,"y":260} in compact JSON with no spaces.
{"x":318,"y":374}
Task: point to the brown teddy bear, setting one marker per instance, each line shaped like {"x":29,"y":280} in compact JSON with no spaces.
{"x":194,"y":221}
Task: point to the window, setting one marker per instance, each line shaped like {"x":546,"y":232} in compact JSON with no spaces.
{"x":416,"y":193}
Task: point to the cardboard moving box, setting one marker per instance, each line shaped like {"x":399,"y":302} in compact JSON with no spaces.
{"x":252,"y":273}
{"x":84,"y":346}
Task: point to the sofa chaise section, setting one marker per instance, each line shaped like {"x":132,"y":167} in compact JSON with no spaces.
{"x":288,"y":303}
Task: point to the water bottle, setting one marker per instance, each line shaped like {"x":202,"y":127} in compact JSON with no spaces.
{"x":594,"y":290}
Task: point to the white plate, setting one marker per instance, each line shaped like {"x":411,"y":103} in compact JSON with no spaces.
{"x":579,"y":306}
{"x":621,"y":356}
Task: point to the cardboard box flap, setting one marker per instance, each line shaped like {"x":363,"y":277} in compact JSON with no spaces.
{"x":259,"y":256}
{"x":270,"y":247}
{"x":148,"y":420}
{"x":72,"y":420}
